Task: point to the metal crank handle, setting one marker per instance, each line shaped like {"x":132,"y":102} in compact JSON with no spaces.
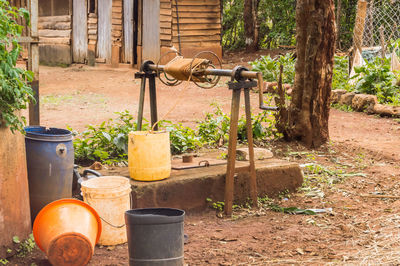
{"x":261,"y":94}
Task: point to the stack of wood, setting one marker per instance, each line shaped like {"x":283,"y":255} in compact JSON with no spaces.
{"x":55,"y":30}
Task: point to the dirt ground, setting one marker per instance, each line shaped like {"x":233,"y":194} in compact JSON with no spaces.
{"x":362,"y":228}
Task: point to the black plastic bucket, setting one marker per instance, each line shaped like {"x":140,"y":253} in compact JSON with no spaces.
{"x":50,"y":161}
{"x":155,"y":236}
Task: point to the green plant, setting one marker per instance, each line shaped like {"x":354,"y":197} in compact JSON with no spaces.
{"x":340,"y":79}
{"x":15,"y":92}
{"x":264,"y":200}
{"x":4,"y":261}
{"x":217,"y":205}
{"x":263,"y":125}
{"x":316,"y":175}
{"x":107,"y":142}
{"x":343,"y":107}
{"x":214,"y":129}
{"x":232,"y":24}
{"x":277,"y":23}
{"x":270,"y":68}
{"x":284,"y":194}
{"x":223,"y":156}
{"x":26,"y":247}
{"x":183,"y":139}
{"x":290,"y":210}
{"x":376,"y":78}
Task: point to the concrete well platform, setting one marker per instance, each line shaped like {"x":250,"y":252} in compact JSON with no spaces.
{"x":189,"y":189}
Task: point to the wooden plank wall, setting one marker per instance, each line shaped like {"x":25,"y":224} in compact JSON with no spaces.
{"x":79,"y":32}
{"x":151,"y":30}
{"x":104,"y":31}
{"x":55,"y":29}
{"x":166,"y":22}
{"x":116,"y":28}
{"x":128,"y":31}
{"x":199,"y":22}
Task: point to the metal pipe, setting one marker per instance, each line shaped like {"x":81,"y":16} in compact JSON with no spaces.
{"x":230,"y":73}
{"x":211,"y":71}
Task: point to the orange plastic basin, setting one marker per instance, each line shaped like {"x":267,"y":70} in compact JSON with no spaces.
{"x":67,"y":231}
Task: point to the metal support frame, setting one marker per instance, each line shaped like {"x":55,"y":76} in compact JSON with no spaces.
{"x":241,"y":80}
{"x":241,"y":84}
{"x":144,"y":74}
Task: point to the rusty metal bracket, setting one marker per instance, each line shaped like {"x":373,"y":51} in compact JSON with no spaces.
{"x":238,"y":85}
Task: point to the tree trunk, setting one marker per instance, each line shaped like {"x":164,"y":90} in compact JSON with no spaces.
{"x":250,"y":24}
{"x":308,"y":114}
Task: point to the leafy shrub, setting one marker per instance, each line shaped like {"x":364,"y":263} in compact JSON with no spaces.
{"x":263,"y":125}
{"x":270,"y":68}
{"x":108,"y":142}
{"x":15,"y":92}
{"x":340,"y":79}
{"x":376,"y":78}
{"x":214,"y":129}
{"x":183,"y":139}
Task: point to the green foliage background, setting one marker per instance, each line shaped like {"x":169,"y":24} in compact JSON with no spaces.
{"x":277,"y":23}
{"x":15,"y":92}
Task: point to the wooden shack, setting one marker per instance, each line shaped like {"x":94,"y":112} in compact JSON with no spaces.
{"x":126,"y":31}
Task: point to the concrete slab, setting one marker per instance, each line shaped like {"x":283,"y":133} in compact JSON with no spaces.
{"x":189,"y":189}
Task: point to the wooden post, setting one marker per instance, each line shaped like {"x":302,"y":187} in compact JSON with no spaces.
{"x":382,"y":39}
{"x":115,"y":56}
{"x":370,"y":26}
{"x":230,"y":171}
{"x":139,"y":34}
{"x":360,"y":24}
{"x":338,"y":15}
{"x":33,"y":61}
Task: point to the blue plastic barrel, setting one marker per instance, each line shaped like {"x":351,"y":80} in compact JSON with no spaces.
{"x":50,"y":161}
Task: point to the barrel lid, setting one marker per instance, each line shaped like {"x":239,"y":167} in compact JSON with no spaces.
{"x":47,"y":134}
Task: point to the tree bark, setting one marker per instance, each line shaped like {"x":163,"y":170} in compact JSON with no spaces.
{"x":308,"y":114}
{"x":250,"y":11}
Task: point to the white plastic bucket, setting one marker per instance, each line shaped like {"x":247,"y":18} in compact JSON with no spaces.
{"x":110,"y":197}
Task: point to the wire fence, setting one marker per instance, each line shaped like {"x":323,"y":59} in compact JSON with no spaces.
{"x":380,"y":23}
